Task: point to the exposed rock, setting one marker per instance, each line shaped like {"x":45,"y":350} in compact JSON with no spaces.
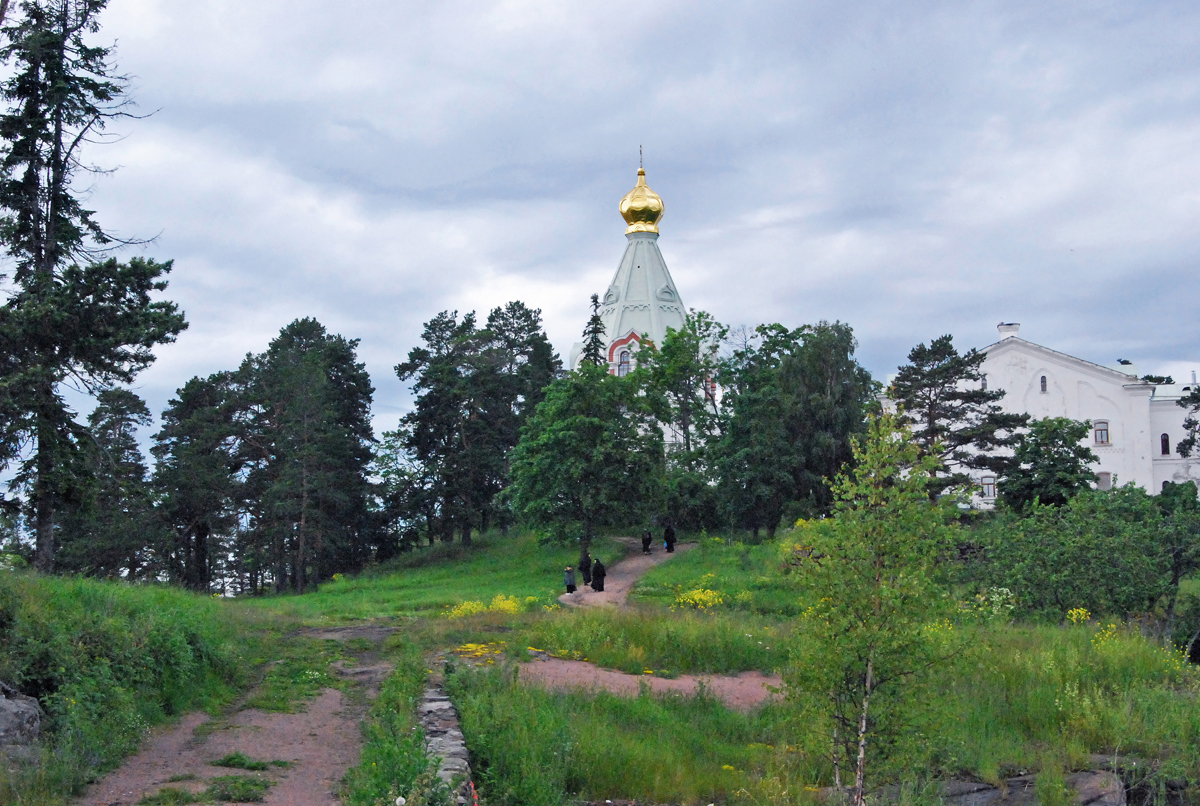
{"x":20,"y":724}
{"x":444,"y":740}
{"x":1092,"y":788}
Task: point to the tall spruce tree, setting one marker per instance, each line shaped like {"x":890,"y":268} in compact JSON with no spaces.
{"x":953,"y":415}
{"x":307,"y":442}
{"x":196,"y":476}
{"x":108,"y":531}
{"x":593,"y":336}
{"x":72,"y":313}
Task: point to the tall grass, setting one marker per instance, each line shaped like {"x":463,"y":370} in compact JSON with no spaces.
{"x":678,"y":642}
{"x":106,"y":660}
{"x":540,"y":748}
{"x":428,"y":581}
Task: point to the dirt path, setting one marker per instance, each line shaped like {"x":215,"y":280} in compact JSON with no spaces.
{"x":622,"y":576}
{"x":318,"y":744}
{"x":742,"y":692}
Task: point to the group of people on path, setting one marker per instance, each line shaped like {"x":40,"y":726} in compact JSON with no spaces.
{"x":592,"y":571}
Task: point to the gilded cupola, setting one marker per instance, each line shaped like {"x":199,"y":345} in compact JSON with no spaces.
{"x":641,"y":208}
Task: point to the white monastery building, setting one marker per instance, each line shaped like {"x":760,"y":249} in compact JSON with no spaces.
{"x":642,"y":301}
{"x":1136,"y":425}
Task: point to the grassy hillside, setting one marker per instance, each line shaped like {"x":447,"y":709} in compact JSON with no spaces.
{"x":429,"y":580}
{"x":107,"y":661}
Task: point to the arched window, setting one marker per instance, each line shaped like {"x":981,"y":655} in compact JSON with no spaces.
{"x":1165,"y":441}
{"x":1105,"y":482}
{"x":1100,"y":431}
{"x":984,"y":381}
{"x":1043,"y":384}
{"x":623,"y":364}
{"x":989,"y":486}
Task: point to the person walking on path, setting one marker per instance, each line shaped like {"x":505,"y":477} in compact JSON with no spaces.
{"x":585,"y":568}
{"x":647,"y":539}
{"x":669,"y":538}
{"x":598,"y":575}
{"x":569,"y":579}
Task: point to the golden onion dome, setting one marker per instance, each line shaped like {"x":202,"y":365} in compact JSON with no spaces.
{"x":642,"y":208}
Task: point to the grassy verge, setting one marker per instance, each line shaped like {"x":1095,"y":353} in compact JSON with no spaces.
{"x":538,"y":748}
{"x":747,"y":577}
{"x":682,"y":642}
{"x":428,"y":581}
{"x":107,"y":661}
{"x":393,"y":760}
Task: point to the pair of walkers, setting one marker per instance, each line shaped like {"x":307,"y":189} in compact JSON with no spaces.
{"x":593,"y":573}
{"x":668,"y":540}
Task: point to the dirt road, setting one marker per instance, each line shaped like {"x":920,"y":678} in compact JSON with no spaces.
{"x":624,"y":575}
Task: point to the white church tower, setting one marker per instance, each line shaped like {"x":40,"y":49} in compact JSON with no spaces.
{"x":642,"y":301}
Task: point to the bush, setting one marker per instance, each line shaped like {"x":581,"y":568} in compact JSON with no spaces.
{"x":106,"y":660}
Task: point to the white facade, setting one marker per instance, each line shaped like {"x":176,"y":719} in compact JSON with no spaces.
{"x":1132,"y":421}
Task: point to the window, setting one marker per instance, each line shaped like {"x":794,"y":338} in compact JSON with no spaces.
{"x":989,"y":486}
{"x":1165,"y":441}
{"x":623,"y":364}
{"x":1043,"y":384}
{"x":1105,"y":482}
{"x":1100,"y":431}
{"x":984,"y":380}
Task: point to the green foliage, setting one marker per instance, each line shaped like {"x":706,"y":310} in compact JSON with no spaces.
{"x":237,"y":789}
{"x":104,"y":532}
{"x":1050,"y":465}
{"x":594,"y":352}
{"x":1111,"y":552}
{"x":195,"y":477}
{"x":170,"y":796}
{"x":944,"y":397}
{"x":794,"y":400}
{"x":681,"y":643}
{"x":475,"y":388}
{"x":107,"y":661}
{"x":393,"y":761}
{"x":875,"y":632}
{"x":591,"y":456}
{"x":533,"y":747}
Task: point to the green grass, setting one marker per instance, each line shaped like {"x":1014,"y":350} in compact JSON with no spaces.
{"x":241,"y":761}
{"x":393,"y":760}
{"x":108,"y":660}
{"x":683,"y":642}
{"x":298,"y":673}
{"x":430,"y":580}
{"x":538,"y":748}
{"x":748,"y":577}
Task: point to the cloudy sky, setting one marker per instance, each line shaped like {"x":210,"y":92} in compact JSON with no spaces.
{"x":910,"y":168}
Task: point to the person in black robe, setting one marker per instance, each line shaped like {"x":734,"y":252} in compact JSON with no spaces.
{"x":669,"y":538}
{"x":647,"y":539}
{"x":598,"y":574}
{"x":569,"y":579}
{"x":585,"y":568}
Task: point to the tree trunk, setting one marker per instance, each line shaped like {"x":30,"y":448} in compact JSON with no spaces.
{"x":860,"y":768}
{"x":43,"y":495}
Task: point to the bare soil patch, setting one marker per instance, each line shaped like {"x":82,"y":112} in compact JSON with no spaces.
{"x":742,"y":692}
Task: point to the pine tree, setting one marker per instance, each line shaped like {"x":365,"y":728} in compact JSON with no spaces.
{"x":195,"y":476}
{"x":93,"y":322}
{"x":109,"y":530}
{"x":593,"y":337}
{"x":954,"y":416}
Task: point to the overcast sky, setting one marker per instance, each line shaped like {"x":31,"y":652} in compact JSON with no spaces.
{"x":910,"y":168}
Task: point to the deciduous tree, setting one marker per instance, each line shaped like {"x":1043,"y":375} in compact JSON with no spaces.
{"x":1050,"y":464}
